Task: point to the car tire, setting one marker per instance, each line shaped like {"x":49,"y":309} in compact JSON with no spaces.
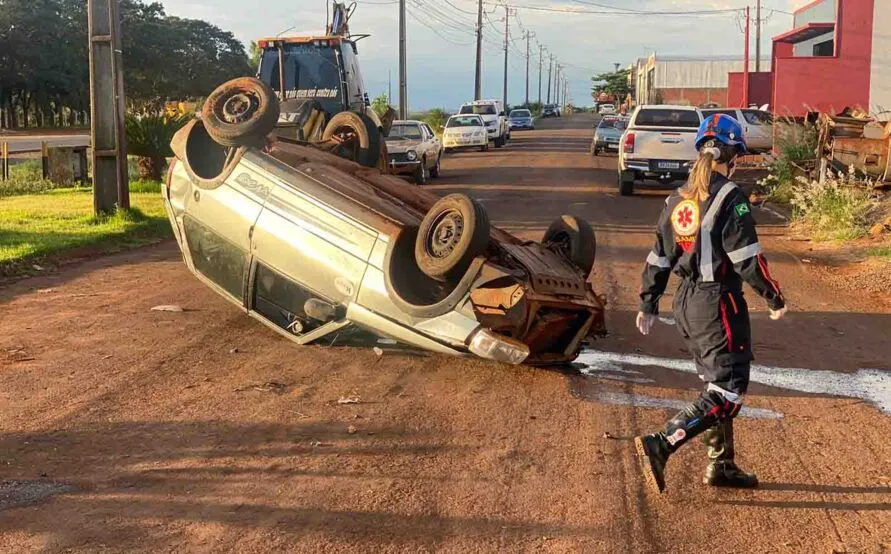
{"x":453,"y":233}
{"x":626,"y":183}
{"x":436,"y":168}
{"x":499,"y":142}
{"x":420,"y":176}
{"x":484,"y":148}
{"x":240,"y":112}
{"x":573,"y":238}
{"x":595,"y":151}
{"x":359,"y":135}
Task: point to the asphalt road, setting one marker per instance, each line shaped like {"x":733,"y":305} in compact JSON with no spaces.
{"x":126,"y":429}
{"x":31,"y":143}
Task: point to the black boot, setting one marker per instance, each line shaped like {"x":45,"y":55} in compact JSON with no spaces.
{"x":702,"y":414}
{"x":721,"y":471}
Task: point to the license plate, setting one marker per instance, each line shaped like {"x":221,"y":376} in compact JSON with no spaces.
{"x":668,"y":165}
{"x":612,"y":146}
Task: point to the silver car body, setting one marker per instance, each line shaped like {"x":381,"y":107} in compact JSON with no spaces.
{"x":757,"y":126}
{"x":272,"y":230}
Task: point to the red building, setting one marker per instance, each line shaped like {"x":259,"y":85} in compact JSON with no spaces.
{"x":838,"y":54}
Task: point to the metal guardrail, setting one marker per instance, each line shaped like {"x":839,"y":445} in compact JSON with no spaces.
{"x":80,"y":151}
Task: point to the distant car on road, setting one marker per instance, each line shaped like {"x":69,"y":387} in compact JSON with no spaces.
{"x":550,"y":110}
{"x":659,"y":143}
{"x":757,"y":124}
{"x":465,"y":131}
{"x":493,"y":115}
{"x":413,"y":149}
{"x":521,"y":119}
{"x":608,"y":134}
{"x":607,"y":109}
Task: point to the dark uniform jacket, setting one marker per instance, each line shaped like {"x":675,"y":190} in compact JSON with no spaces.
{"x":714,"y":241}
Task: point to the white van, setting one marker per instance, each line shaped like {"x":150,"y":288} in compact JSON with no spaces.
{"x":494,"y":117}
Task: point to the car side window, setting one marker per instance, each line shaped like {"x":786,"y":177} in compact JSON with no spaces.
{"x":430,"y":133}
{"x":757,"y":117}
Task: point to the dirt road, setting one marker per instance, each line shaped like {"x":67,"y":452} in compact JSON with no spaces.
{"x":126,"y":429}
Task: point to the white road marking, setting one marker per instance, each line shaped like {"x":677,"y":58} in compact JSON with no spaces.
{"x":625,"y":399}
{"x":872,"y":385}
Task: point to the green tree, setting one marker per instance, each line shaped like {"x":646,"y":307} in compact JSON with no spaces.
{"x":616,"y":83}
{"x":148,"y":138}
{"x":254,"y":53}
{"x":381,"y":103}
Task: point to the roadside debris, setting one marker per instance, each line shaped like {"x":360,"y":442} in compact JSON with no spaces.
{"x":378,"y":351}
{"x":607,"y":435}
{"x":349,"y":400}
{"x":45,"y":291}
{"x":168,"y":308}
{"x":856,"y":139}
{"x":351,"y":429}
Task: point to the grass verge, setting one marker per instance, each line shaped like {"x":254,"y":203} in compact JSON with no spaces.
{"x":37,"y":226}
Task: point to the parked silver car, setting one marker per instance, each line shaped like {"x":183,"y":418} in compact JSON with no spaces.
{"x":757,"y":125}
{"x":309,"y":244}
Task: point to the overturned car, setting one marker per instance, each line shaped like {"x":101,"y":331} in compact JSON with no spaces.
{"x":309,"y":243}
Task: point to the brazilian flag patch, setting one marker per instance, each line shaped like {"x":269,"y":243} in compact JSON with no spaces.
{"x":742,"y":209}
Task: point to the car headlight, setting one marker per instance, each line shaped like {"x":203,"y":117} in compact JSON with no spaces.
{"x":489,"y":345}
{"x":411,"y":155}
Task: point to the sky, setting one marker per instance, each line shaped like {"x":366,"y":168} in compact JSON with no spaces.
{"x":441,"y":43}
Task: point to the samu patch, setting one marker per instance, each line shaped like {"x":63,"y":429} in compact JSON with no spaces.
{"x":742,"y":209}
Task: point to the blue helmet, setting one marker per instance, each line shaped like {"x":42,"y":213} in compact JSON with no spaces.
{"x":723,"y":129}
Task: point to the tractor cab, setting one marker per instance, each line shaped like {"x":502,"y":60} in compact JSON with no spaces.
{"x":322,"y":69}
{"x":322,"y":96}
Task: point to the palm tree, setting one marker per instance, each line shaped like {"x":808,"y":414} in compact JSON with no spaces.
{"x":148,"y":138}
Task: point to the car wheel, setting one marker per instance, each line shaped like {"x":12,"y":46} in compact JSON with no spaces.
{"x":452,"y":234}
{"x":240,"y":112}
{"x":436,"y":168}
{"x":355,"y":137}
{"x":626,"y":183}
{"x":499,"y":142}
{"x":484,"y":148}
{"x":595,"y":151}
{"x":421,"y":173}
{"x":573,"y":238}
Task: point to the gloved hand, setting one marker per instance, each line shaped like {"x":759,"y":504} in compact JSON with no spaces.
{"x":645,"y":322}
{"x":777,"y":315}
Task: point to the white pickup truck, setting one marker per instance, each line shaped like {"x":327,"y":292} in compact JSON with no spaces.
{"x":659,"y":144}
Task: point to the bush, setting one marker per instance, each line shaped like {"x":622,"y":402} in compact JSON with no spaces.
{"x":148,"y":138}
{"x":837,"y":209}
{"x":25,"y":178}
{"x":796,"y":146}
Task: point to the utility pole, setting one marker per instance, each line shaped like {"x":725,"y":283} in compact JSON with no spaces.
{"x":389,"y":87}
{"x":528,"y":47}
{"x":745,"y":101}
{"x":540,"y":68}
{"x":550,"y":71}
{"x":478,"y":84}
{"x":403,"y":87}
{"x":111,"y":183}
{"x":758,"y":37}
{"x":557,"y":85}
{"x":507,"y":14}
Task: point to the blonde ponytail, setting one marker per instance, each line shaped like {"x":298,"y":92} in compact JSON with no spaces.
{"x":700,"y":177}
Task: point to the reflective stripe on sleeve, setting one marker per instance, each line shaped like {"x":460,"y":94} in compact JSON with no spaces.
{"x":658,"y":261}
{"x":745,"y":253}
{"x":706,"y":265}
